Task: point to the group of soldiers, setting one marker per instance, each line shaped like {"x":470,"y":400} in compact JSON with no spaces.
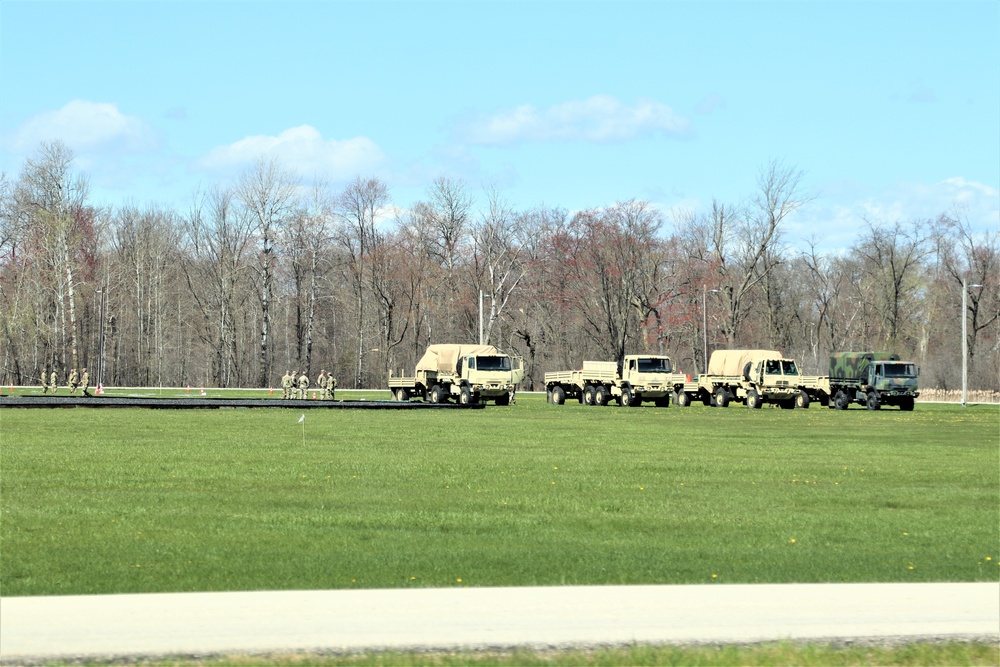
{"x":50,"y":382}
{"x":296,"y":385}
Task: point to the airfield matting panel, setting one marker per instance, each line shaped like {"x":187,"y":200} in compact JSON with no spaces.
{"x":205,"y":402}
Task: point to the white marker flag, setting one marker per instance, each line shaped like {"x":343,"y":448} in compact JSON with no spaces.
{"x":302,"y":418}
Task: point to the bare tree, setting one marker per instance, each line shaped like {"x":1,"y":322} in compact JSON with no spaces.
{"x":53,"y":197}
{"x":498,"y":239}
{"x":267,"y":193}
{"x":971,"y":259}
{"x":358,"y":208}
{"x":215,"y":260}
{"x":891,"y":257}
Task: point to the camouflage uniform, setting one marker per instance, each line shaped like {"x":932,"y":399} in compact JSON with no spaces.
{"x":85,"y":382}
{"x":45,"y":384}
{"x":52,"y":383}
{"x":331,"y":385}
{"x":72,"y":382}
{"x":303,"y":385}
{"x":286,"y":385}
{"x":321,"y":383}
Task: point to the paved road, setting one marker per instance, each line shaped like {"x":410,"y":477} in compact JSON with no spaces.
{"x":108,"y":626}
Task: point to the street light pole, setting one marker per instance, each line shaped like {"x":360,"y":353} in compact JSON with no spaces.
{"x":100,"y":344}
{"x":965,"y":338}
{"x":482,"y":296}
{"x":704,"y":320}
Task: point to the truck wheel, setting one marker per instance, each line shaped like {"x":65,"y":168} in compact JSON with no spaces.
{"x":588,"y":394}
{"x":503,"y":400}
{"x":872,"y":401}
{"x":629,"y":399}
{"x":906,"y":404}
{"x":465,"y":396}
{"x":840,"y":401}
{"x":682,"y":399}
{"x":558,"y":395}
{"x":753,"y":400}
{"x":788,"y":404}
{"x":437,"y":394}
{"x":601,"y":396}
{"x":802,"y":399}
{"x":548,"y":395}
{"x":721,"y":397}
{"x":662,"y":402}
{"x":402,"y":394}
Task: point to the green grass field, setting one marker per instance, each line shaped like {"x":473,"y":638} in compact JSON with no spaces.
{"x":134,"y":500}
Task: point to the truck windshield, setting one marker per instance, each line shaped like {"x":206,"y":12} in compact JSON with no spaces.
{"x":780,"y":367}
{"x":899,"y":371}
{"x":654,"y":365}
{"x":493,"y":363}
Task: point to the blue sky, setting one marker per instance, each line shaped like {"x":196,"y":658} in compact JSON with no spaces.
{"x":890,"y":109}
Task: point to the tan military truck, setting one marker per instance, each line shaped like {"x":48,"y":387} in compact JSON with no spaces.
{"x":752,"y":377}
{"x":638,"y":378}
{"x":467,"y":373}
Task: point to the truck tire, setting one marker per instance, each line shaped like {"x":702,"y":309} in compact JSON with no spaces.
{"x":602,"y":396}
{"x":629,"y":399}
{"x":682,"y":399}
{"x":721,"y":398}
{"x":588,"y":394}
{"x":558,"y":395}
{"x":802,"y":399}
{"x":840,"y":401}
{"x":548,"y":395}
{"x":753,"y":400}
{"x":437,"y":394}
{"x":465,"y":396}
{"x":906,"y":404}
{"x":871,"y":401}
{"x":788,"y":404}
{"x":662,"y":402}
{"x":402,"y":394}
{"x":503,"y":400}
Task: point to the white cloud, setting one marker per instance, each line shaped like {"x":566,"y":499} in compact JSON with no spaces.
{"x":598,"y":119}
{"x":301,"y":149}
{"x":86,"y":127}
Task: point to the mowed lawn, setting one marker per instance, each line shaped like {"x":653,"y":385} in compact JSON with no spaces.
{"x":137,"y":500}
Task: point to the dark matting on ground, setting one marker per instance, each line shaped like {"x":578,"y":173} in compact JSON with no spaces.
{"x":205,"y":402}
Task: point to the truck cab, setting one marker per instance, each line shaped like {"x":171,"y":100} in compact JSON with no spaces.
{"x":489,"y":376}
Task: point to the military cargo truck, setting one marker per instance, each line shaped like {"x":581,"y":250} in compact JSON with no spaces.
{"x":638,"y":378}
{"x":751,"y":377}
{"x":871,"y":379}
{"x":467,"y":373}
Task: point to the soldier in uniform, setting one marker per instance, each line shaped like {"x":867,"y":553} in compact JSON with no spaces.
{"x":85,"y":382}
{"x":321,"y":383}
{"x":52,"y":382}
{"x":45,"y":381}
{"x":303,"y":385}
{"x":331,"y":386}
{"x":286,"y":384}
{"x":72,"y":382}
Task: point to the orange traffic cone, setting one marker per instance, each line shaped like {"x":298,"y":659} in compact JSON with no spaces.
{"x":189,"y":389}
{"x":202,"y":391}
{"x":270,"y":390}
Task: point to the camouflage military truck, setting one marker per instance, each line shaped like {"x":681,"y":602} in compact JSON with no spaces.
{"x":871,"y":379}
{"x":638,"y":378}
{"x":751,"y":377}
{"x":469,"y":373}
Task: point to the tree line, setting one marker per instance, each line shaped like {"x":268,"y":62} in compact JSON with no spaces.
{"x":267,"y":274}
